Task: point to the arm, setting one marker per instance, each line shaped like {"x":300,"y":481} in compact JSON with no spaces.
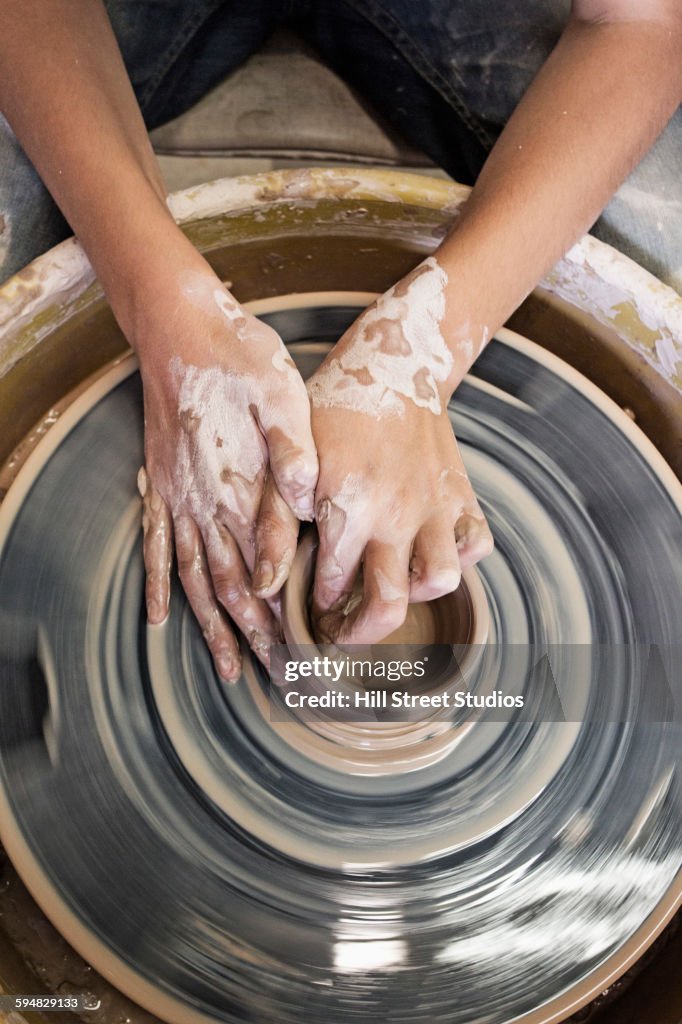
{"x":596,"y":106}
{"x":397,"y":499}
{"x":65,"y":91}
{"x":230,"y":460}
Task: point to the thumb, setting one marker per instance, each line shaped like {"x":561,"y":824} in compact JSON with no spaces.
{"x":292,"y":452}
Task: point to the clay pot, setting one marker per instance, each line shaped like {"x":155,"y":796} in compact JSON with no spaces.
{"x":381,"y":743}
{"x":459,"y":618}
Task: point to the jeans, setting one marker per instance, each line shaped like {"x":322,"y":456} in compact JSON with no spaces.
{"x":446,"y":75}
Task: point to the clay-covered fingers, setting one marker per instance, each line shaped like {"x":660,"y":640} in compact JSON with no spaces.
{"x":441,"y":550}
{"x":276,"y":539}
{"x":473,"y":535}
{"x":231,"y":584}
{"x":385,"y":593}
{"x":238,"y":501}
{"x":285,"y":422}
{"x":435,"y":567}
{"x":339,"y":556}
{"x":157,"y":547}
{"x":196,"y":581}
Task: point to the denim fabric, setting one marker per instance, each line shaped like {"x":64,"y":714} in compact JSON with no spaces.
{"x":445,"y":74}
{"x":29,"y":221}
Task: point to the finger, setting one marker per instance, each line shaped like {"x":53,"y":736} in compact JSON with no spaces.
{"x":342,"y":539}
{"x":292,"y":452}
{"x":381,"y":608}
{"x":276,"y":538}
{"x":196,"y":581}
{"x":274,"y":603}
{"x":232,"y":586}
{"x":385,"y":595}
{"x":473,"y":536}
{"x":238,"y":509}
{"x":157,"y":549}
{"x":435,"y":566}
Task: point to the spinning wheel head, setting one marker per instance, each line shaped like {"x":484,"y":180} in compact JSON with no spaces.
{"x":419,"y":881}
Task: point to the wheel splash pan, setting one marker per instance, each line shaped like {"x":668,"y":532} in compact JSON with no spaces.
{"x":368,"y":239}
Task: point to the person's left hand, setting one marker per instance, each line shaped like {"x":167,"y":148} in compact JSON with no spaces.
{"x":393,"y":496}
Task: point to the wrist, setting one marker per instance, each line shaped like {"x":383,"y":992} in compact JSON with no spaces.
{"x":465,"y":341}
{"x":146,"y":279}
{"x":471,"y":311}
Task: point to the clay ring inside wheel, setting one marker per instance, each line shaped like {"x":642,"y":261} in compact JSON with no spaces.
{"x":374,"y":745}
{"x":218,"y":872}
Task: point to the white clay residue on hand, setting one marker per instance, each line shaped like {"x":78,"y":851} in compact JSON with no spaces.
{"x":250,"y":330}
{"x":397,"y":351}
{"x":221,"y":452}
{"x":343,"y":517}
{"x":233,"y":312}
{"x":388,"y":590}
{"x":468,"y":345}
{"x":282,"y":361}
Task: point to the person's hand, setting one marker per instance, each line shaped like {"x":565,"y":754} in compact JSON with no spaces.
{"x":393,"y":497}
{"x":230,"y":463}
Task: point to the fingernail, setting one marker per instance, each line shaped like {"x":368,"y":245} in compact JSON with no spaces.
{"x":301,"y":471}
{"x":324,"y":508}
{"x":228,"y":669}
{"x":155,"y":501}
{"x":306,"y":513}
{"x":260,"y":645}
{"x":156,"y":612}
{"x":281,"y":572}
{"x":263,"y":576}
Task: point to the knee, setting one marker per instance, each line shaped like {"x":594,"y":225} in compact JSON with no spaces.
{"x":644,"y":218}
{"x":30,"y":222}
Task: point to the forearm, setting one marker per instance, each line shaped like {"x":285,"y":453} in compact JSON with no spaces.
{"x":66,"y":93}
{"x":604,"y":95}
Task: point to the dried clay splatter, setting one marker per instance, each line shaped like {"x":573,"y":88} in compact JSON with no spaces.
{"x":397,"y":351}
{"x":221,"y":453}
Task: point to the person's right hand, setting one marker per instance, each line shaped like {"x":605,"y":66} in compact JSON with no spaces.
{"x":230,"y":463}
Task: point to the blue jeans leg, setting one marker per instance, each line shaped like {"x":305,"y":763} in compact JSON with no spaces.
{"x":448,"y":76}
{"x":644,"y":218}
{"x":29,"y":220}
{"x":174,"y":53}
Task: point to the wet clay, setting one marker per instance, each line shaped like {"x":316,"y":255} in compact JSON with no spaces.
{"x":382,"y":747}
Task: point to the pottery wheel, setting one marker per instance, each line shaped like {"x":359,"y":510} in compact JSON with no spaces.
{"x":215,"y":872}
